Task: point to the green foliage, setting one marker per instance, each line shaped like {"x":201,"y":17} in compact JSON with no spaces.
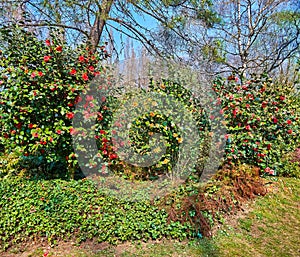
{"x":149,"y":123}
{"x":290,"y":166}
{"x":41,"y":84}
{"x":58,"y":209}
{"x":262,"y":120}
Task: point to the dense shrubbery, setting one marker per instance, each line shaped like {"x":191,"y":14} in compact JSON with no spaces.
{"x":262,"y":119}
{"x":41,"y":84}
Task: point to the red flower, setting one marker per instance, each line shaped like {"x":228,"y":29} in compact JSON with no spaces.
{"x":269,"y":146}
{"x":58,"y":132}
{"x":275,"y":120}
{"x":264,"y":104}
{"x":30,"y":126}
{"x":290,"y":131}
{"x":85,"y":76}
{"x":91,"y":68}
{"x":289,"y":122}
{"x":47,"y":58}
{"x":40,"y":73}
{"x":81,"y":58}
{"x":248,"y":127}
{"x":42,"y":142}
{"x":19,"y":125}
{"x":73,"y":72}
{"x":282,"y":98}
{"x":70,"y":115}
{"x":247,"y":106}
{"x":235,"y":111}
{"x":58,"y":48}
{"x":102,"y":132}
{"x":78,"y":99}
{"x":47,"y":41}
{"x":104,"y":140}
{"x":35,"y":134}
{"x":113,"y":156}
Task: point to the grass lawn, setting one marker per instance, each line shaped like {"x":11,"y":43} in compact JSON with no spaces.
{"x":269,"y":226}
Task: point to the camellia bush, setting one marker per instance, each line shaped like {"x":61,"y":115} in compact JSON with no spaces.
{"x":41,"y":82}
{"x":151,"y":122}
{"x":262,"y":120}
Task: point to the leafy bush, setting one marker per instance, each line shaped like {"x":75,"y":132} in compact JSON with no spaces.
{"x":41,"y":83}
{"x":151,"y":122}
{"x":262,"y":120}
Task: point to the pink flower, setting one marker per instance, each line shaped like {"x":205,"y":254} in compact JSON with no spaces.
{"x":33,"y":75}
{"x":72,"y":131}
{"x":248,"y":127}
{"x":35,"y":134}
{"x":89,"y":98}
{"x":270,"y":171}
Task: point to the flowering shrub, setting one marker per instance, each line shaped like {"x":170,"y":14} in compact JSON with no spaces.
{"x":41,"y":82}
{"x":262,"y":120}
{"x":143,"y":127}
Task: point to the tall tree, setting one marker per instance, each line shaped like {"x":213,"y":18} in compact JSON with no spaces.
{"x":90,"y":20}
{"x":256,"y":35}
